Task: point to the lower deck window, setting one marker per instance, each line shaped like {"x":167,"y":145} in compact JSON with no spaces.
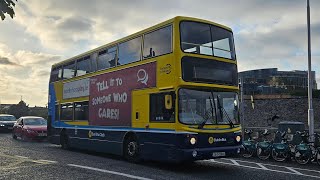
{"x":81,"y":110}
{"x":66,"y":113}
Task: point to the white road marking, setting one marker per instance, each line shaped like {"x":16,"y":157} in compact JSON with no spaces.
{"x":291,"y":169}
{"x":22,"y":157}
{"x":110,"y":172}
{"x":43,"y":160}
{"x":234,"y":162}
{"x":262,"y":166}
{"x":296,"y":168}
{"x":306,"y":175}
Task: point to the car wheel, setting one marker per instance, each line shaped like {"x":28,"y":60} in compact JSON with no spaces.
{"x":24,"y":138}
{"x":14,"y":136}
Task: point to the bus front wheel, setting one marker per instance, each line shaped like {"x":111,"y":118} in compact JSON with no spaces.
{"x":131,"y":149}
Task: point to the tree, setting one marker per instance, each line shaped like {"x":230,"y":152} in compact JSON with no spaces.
{"x":18,"y":110}
{"x":6,"y":7}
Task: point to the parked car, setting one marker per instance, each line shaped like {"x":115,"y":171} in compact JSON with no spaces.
{"x":30,"y":128}
{"x":6,"y":122}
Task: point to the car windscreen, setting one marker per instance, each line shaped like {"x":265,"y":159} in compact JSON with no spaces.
{"x":7,"y":118}
{"x":35,"y":121}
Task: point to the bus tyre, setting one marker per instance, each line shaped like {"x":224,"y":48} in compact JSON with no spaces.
{"x":64,"y":141}
{"x":131,"y":149}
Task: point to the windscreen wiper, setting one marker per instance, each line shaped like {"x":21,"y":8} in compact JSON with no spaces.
{"x":206,"y":118}
{"x":223,"y":111}
{"x":213,"y":111}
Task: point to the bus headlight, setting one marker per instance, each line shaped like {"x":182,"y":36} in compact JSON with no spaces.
{"x":238,"y":138}
{"x":193,"y":140}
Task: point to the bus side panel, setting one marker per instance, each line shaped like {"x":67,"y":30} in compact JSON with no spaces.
{"x":106,"y":141}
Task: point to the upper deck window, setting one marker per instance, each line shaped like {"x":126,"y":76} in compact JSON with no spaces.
{"x":201,"y":38}
{"x":107,"y":58}
{"x":158,"y":42}
{"x":56,"y":74}
{"x":69,"y":70}
{"x":83,"y":66}
{"x":129,"y":51}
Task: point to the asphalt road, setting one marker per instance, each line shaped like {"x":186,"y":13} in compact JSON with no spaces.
{"x":42,"y":160}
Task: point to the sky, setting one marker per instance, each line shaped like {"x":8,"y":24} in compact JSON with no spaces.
{"x":268,"y":34}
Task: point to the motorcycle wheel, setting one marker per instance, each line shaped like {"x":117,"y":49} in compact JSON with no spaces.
{"x":300,"y":158}
{"x":280,"y":157}
{"x":263,"y":155}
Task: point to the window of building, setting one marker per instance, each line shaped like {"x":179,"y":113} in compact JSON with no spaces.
{"x":158,"y":112}
{"x":69,"y":70}
{"x":129,"y":51}
{"x":83,"y":66}
{"x":158,"y":42}
{"x":66,"y":112}
{"x":81,"y":110}
{"x":107,"y":58}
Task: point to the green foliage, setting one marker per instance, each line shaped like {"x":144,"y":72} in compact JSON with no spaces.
{"x":6,"y":7}
{"x":18,"y":110}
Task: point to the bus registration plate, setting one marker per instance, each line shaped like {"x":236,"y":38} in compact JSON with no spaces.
{"x":218,"y":154}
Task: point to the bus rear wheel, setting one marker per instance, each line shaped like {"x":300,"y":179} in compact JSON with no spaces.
{"x":64,"y":141}
{"x":131,"y":149}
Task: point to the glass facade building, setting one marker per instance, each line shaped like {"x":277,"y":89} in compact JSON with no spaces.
{"x":272,"y":81}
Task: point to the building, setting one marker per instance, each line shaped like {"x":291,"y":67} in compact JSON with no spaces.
{"x":272,"y":81}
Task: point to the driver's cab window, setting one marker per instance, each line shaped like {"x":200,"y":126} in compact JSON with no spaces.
{"x":158,"y":110}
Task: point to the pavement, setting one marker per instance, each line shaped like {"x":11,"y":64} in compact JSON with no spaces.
{"x":42,"y":160}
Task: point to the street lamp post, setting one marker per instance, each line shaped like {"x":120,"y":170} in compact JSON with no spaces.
{"x":310,"y":110}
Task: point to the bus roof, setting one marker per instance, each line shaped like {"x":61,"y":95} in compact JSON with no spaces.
{"x":177,"y":18}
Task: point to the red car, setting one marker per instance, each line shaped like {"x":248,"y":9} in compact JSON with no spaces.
{"x":30,"y":128}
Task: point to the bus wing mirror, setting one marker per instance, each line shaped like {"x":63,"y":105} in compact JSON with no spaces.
{"x":168,"y":101}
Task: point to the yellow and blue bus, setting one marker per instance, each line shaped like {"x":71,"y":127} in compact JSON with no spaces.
{"x":167,"y":93}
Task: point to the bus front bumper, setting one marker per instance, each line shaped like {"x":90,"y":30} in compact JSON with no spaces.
{"x":207,"y":153}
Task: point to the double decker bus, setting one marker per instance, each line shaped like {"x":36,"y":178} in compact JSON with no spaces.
{"x":167,"y":93}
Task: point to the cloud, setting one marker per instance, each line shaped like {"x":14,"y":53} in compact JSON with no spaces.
{"x":6,"y":61}
{"x":267,"y":34}
{"x":29,"y":80}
